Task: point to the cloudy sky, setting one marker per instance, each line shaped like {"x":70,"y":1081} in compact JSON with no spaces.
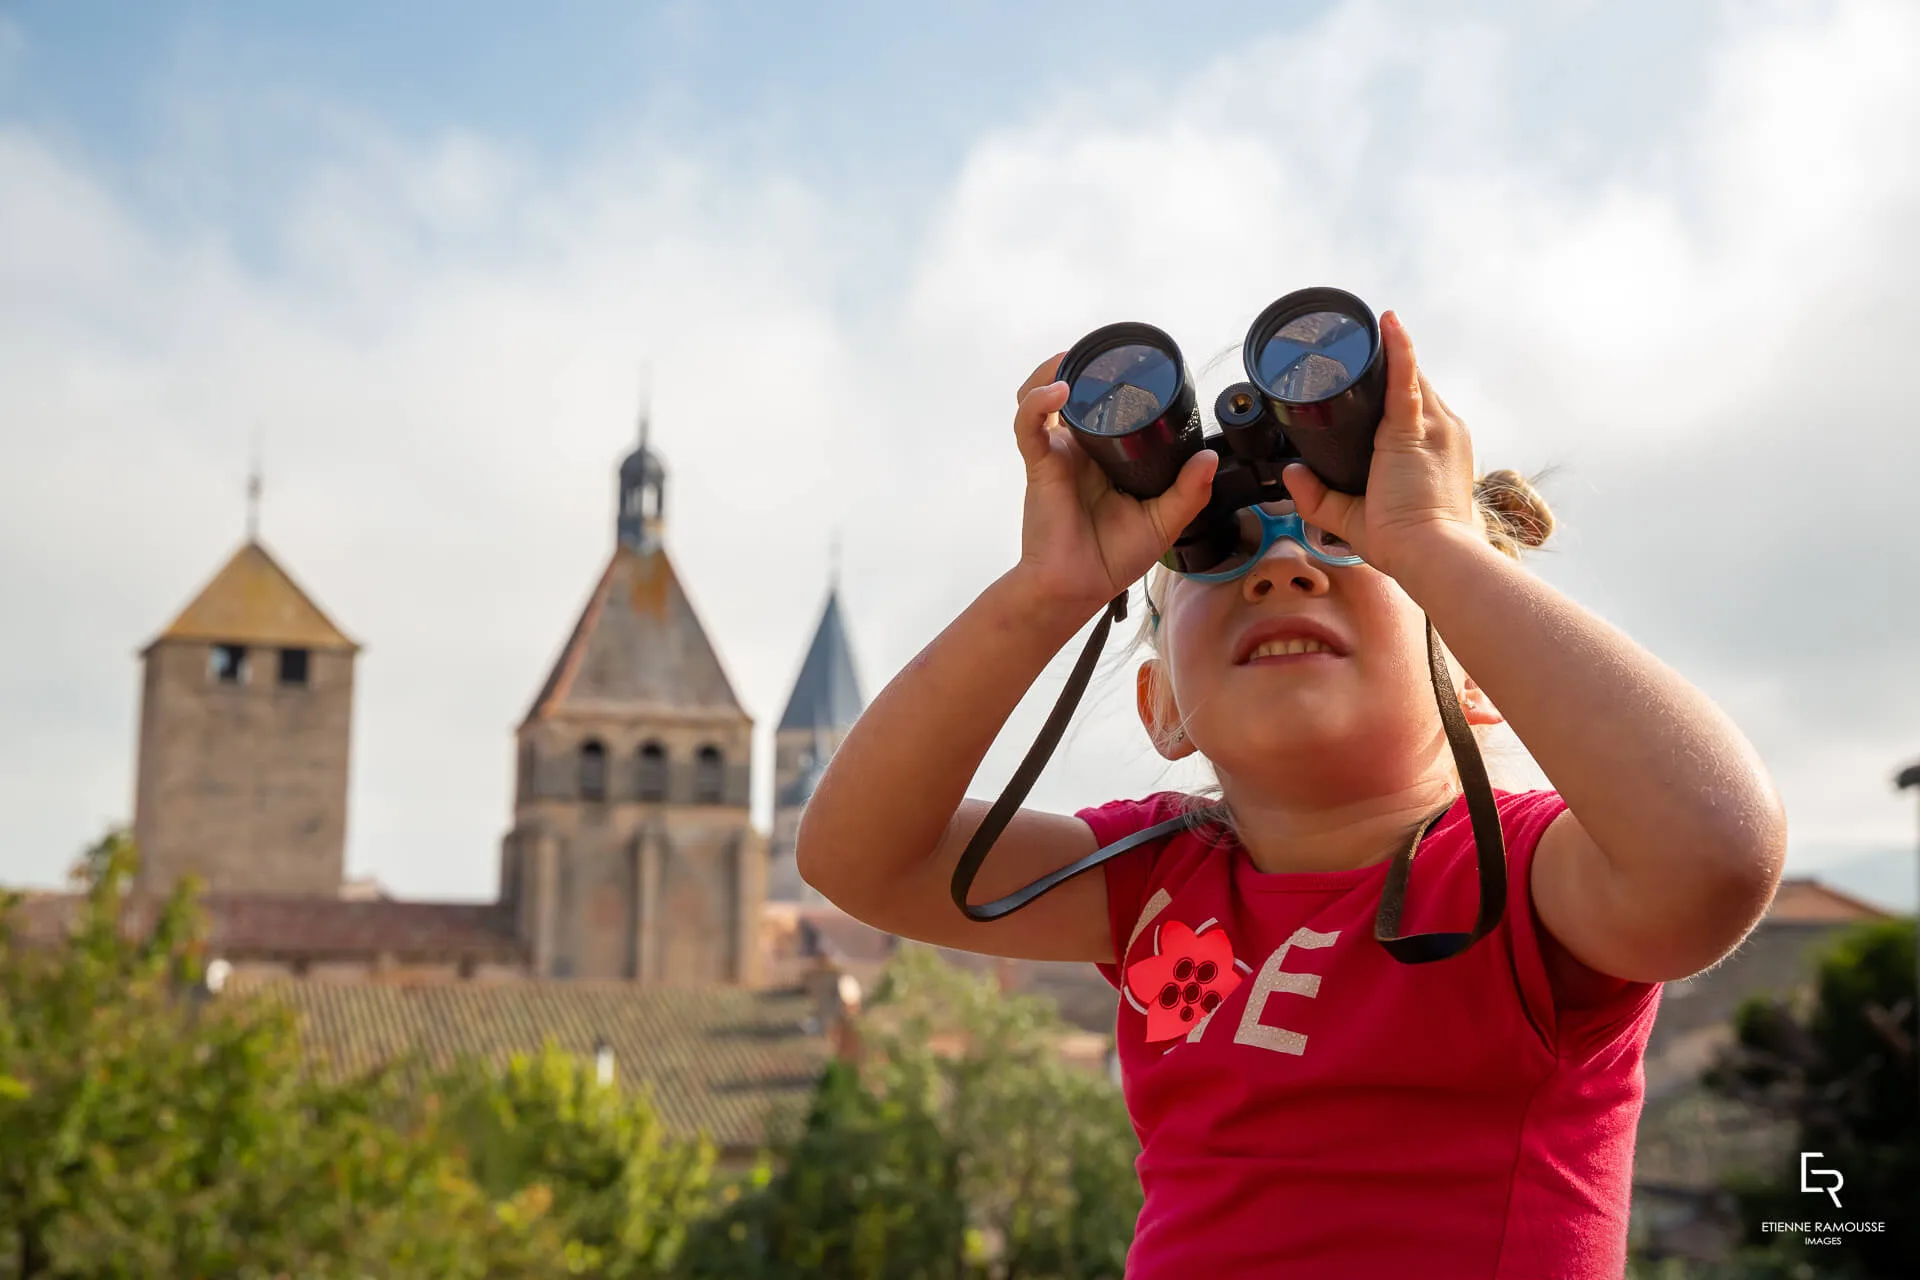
{"x":1664,"y":249}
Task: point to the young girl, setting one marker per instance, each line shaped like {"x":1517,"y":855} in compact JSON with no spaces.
{"x":1306,"y":1104}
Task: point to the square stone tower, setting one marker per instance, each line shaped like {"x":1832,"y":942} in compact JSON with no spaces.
{"x":632,"y":853}
{"x":246,"y":718}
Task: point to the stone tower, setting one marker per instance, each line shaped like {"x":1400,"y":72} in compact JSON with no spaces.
{"x":246,"y":712}
{"x":632,"y":854}
{"x":823,"y":706}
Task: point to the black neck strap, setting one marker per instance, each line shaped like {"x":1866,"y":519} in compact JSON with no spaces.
{"x":1418,"y":948}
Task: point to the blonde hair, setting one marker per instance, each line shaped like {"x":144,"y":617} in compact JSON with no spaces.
{"x":1513,"y":515}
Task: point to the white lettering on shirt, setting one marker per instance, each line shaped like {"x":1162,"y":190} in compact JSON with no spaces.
{"x":1159,"y":902}
{"x":1272,"y":980}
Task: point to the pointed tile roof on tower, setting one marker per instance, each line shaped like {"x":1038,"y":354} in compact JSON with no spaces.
{"x":637,"y":646}
{"x":827,"y":693}
{"x":252,"y":600}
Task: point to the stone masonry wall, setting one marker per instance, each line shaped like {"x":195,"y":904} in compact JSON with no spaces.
{"x":243,"y":784}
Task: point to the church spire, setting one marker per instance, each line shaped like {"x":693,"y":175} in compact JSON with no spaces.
{"x":643,"y":490}
{"x":826,"y":695}
{"x":254,"y":485}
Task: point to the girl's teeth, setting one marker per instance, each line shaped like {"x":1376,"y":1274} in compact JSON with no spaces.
{"x":1281,"y":648}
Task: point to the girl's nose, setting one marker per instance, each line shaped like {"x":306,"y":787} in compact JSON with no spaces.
{"x":1286,"y":565}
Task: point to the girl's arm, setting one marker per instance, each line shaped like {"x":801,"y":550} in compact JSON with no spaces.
{"x":883,"y":831}
{"x":1674,"y":836}
{"x":889,"y":820}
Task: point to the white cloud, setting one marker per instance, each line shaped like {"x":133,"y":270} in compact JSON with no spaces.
{"x":443,"y":356}
{"x":1731,"y":310}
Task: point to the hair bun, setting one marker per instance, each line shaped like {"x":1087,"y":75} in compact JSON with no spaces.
{"x":1518,"y":518}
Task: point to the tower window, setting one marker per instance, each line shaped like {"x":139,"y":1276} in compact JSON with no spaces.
{"x":709,"y":776}
{"x":593,"y":771}
{"x":653,"y":773}
{"x":228,"y":664}
{"x":293,"y":668}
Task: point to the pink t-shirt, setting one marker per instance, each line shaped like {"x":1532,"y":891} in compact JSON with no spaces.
{"x":1309,"y":1106}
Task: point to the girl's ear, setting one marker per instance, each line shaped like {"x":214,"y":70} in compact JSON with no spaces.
{"x":1158,"y":713}
{"x":1478,"y":706}
{"x":1474,"y":701}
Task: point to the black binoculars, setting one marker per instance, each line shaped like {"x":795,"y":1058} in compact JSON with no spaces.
{"x":1316,"y":385}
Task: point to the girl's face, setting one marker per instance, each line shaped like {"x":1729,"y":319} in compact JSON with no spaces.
{"x":1298,"y":673}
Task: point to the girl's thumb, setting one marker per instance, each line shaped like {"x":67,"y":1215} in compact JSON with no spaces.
{"x":1192,"y":488}
{"x":1305,"y":488}
{"x":1175,"y":509}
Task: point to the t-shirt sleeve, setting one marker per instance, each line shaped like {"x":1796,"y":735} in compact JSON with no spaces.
{"x":1130,"y":875}
{"x":1579,"y":1009}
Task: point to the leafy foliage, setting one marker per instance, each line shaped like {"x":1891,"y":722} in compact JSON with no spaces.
{"x":1845,"y":1073}
{"x":623,"y":1191}
{"x":962,"y":1148}
{"x":150,"y":1131}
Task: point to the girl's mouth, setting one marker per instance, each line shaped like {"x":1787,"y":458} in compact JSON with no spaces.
{"x":1288,"y":639}
{"x":1298,"y":647}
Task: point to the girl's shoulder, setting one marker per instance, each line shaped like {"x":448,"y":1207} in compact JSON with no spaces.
{"x":1118,"y":819}
{"x":1131,"y":875}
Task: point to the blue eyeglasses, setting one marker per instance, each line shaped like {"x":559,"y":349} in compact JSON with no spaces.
{"x":1262,"y":526}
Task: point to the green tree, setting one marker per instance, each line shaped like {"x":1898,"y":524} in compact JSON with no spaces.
{"x":624,"y":1192}
{"x":1845,"y":1073}
{"x":962,"y":1147}
{"x":867,"y":1191}
{"x":149,"y":1132}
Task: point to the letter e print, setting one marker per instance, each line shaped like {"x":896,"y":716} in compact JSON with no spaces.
{"x":1273,"y":980}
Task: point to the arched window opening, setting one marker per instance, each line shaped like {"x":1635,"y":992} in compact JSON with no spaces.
{"x":653,"y":773}
{"x":593,"y":771}
{"x":709,"y":776}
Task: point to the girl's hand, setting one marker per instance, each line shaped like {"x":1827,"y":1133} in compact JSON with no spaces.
{"x":1082,"y":541}
{"x":1420,"y":484}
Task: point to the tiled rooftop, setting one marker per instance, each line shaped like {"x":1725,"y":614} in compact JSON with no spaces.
{"x":718,"y":1059}
{"x":259,"y":926}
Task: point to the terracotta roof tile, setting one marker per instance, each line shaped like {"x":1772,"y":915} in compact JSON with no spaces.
{"x":721,"y":1060}
{"x":1807,"y":901}
{"x":259,"y":926}
{"x":831,"y":932}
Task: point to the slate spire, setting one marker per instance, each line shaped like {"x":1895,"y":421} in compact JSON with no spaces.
{"x":826,"y":696}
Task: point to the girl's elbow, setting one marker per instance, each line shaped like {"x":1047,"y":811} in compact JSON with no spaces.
{"x":820,"y":856}
{"x":814,"y":868}
{"x":1751,"y":853}
{"x":1732,"y":890}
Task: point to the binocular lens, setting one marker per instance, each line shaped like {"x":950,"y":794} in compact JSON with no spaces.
{"x":1122,"y":389}
{"x":1314,"y":356}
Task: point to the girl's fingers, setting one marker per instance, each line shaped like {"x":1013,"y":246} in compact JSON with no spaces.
{"x":1043,"y":373}
{"x":1175,"y":509}
{"x":1403,"y":404}
{"x":1318,"y":505}
{"x":1033,"y":417}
